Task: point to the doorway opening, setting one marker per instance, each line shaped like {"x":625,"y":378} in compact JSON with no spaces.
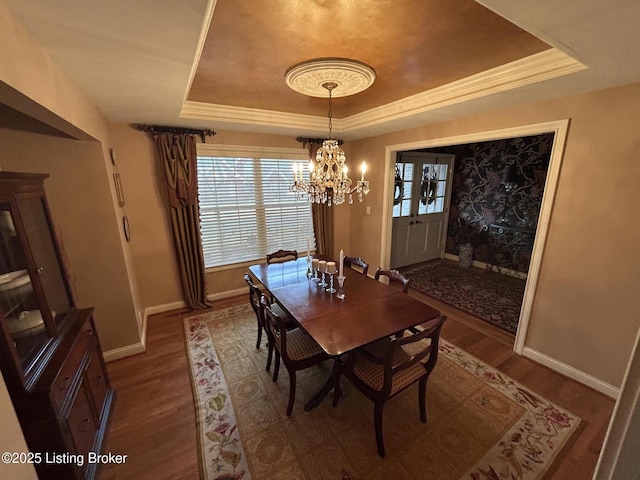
{"x":558,"y":129}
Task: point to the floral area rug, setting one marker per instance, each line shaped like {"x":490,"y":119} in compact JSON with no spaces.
{"x":482,"y":425}
{"x":490,"y":296}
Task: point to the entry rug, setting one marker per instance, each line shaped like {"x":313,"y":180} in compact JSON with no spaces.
{"x":493,"y":297}
{"x":482,"y":425}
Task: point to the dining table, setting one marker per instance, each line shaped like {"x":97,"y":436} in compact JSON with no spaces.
{"x":369,"y":311}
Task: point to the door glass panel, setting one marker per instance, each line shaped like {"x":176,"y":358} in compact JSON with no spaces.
{"x":18,"y":301}
{"x":403,"y":192}
{"x":433,"y":187}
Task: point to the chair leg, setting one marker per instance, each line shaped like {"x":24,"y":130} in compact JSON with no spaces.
{"x":270,"y":354}
{"x":276,"y":368}
{"x":422,"y":395}
{"x":292,"y":391}
{"x":379,"y":408}
{"x":259,"y":335}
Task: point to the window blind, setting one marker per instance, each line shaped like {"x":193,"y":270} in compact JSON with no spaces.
{"x":247,"y":210}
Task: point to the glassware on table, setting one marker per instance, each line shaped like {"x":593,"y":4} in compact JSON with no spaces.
{"x":340,"y":293}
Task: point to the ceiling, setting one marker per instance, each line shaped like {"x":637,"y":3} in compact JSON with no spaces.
{"x":221,"y":64}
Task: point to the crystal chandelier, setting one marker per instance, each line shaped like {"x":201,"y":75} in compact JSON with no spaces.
{"x":329,"y":181}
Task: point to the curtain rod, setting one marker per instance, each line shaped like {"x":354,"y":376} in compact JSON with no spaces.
{"x":179,"y":130}
{"x":313,"y":141}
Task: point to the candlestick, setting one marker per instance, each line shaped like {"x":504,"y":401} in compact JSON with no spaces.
{"x":331,"y":289}
{"x":322,"y":267}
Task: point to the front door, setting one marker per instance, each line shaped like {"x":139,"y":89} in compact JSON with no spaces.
{"x":420,"y":207}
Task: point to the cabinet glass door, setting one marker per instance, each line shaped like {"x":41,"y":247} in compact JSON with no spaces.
{"x":46,"y":264}
{"x":18,"y":301}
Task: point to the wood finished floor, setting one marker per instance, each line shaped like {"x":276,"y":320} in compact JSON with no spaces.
{"x":154,"y":421}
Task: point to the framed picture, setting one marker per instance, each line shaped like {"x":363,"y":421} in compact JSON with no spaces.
{"x":119,"y":190}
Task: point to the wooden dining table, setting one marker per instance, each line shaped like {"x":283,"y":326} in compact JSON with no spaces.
{"x":369,"y":311}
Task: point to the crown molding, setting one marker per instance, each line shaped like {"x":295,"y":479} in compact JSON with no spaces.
{"x":536,"y":68}
{"x":242,"y":115}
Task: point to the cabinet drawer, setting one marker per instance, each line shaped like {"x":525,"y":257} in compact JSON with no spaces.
{"x":80,"y":422}
{"x":71,"y":368}
{"x":97,"y":379}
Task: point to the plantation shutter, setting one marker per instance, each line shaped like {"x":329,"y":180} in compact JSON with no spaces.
{"x":247,"y":210}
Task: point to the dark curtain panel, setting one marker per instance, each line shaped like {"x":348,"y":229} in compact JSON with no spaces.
{"x":177,"y":153}
{"x":322,"y":219}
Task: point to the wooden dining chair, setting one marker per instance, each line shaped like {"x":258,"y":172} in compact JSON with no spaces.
{"x":282,"y":256}
{"x":255,"y":295}
{"x":382,"y":372}
{"x":295,"y":347}
{"x":357,"y":262}
{"x":394,"y":276}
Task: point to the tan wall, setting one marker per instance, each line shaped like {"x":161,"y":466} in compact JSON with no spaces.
{"x":12,"y":439}
{"x":78,"y":192}
{"x":585,"y":313}
{"x":151,"y":244}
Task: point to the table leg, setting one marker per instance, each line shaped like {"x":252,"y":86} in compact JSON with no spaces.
{"x":332,"y":381}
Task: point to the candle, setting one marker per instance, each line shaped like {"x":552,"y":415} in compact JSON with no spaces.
{"x":331,"y":267}
{"x":363,"y":168}
{"x":308,"y":248}
{"x":322,"y":266}
{"x":342,"y":263}
{"x":295,"y":172}
{"x":314,"y":263}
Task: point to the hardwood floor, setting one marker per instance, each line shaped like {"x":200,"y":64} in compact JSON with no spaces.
{"x":154,"y":421}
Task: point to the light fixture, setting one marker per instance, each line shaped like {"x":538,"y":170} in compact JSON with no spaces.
{"x":329,"y":180}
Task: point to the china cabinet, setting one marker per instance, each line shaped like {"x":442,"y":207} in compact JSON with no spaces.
{"x":50,"y":354}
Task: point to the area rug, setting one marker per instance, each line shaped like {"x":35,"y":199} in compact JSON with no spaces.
{"x":490,"y":296}
{"x":482,"y":425}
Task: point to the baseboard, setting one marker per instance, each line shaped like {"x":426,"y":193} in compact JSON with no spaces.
{"x":571,"y":372}
{"x":493,"y":268}
{"x":228,"y":294}
{"x":140,"y":347}
{"x":124,"y":352}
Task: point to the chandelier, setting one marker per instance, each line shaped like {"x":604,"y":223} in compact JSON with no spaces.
{"x":329,"y":181}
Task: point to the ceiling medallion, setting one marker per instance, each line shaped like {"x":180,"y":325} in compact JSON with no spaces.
{"x":327,"y":180}
{"x":350,"y":77}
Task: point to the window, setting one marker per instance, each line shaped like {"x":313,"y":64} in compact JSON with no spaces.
{"x":246,"y":208}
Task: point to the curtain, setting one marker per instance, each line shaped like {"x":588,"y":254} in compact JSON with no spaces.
{"x":177,"y":153}
{"x":322,"y":218}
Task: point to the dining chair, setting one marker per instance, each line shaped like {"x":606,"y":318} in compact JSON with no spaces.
{"x":394,"y":364}
{"x":295,"y":347}
{"x":255,"y":295}
{"x":394,"y":276}
{"x":282,"y":256}
{"x":358,"y":262}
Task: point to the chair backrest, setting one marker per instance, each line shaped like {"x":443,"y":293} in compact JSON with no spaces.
{"x":254,"y":295}
{"x":418,"y":346}
{"x":282,"y":255}
{"x":394,"y":276}
{"x":276,"y":325}
{"x":358,"y":262}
